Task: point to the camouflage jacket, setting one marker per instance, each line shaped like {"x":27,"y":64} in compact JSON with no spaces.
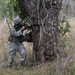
{"x":14,"y":35}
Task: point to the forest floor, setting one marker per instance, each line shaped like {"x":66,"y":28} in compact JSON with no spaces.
{"x":64,"y":67}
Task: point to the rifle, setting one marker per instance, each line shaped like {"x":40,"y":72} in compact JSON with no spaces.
{"x":28,"y":36}
{"x":19,"y":26}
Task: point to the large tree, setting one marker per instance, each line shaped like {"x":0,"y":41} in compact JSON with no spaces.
{"x":46,"y":39}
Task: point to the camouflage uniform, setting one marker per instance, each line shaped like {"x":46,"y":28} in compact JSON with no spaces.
{"x":16,"y":46}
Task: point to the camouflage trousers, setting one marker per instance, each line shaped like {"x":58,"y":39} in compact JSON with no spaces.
{"x":13,"y":49}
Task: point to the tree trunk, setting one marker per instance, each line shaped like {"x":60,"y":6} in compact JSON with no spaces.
{"x":46,"y":42}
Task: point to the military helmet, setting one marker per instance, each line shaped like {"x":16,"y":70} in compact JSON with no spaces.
{"x":17,"y":20}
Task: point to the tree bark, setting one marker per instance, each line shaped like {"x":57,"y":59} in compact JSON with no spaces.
{"x":46,"y":43}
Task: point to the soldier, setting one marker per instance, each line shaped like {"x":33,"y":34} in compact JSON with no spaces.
{"x":16,"y":43}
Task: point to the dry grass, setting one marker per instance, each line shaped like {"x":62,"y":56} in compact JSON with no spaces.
{"x":64,"y":66}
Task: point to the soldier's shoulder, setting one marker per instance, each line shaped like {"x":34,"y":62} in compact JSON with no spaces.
{"x":12,"y":28}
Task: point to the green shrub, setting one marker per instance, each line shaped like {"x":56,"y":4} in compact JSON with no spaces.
{"x":64,"y":28}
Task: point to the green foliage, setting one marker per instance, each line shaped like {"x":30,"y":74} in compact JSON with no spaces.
{"x":64,"y":26}
{"x":6,"y":9}
{"x":19,"y":10}
{"x":12,"y":8}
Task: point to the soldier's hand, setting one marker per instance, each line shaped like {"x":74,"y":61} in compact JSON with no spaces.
{"x":22,"y":28}
{"x":28,"y":25}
